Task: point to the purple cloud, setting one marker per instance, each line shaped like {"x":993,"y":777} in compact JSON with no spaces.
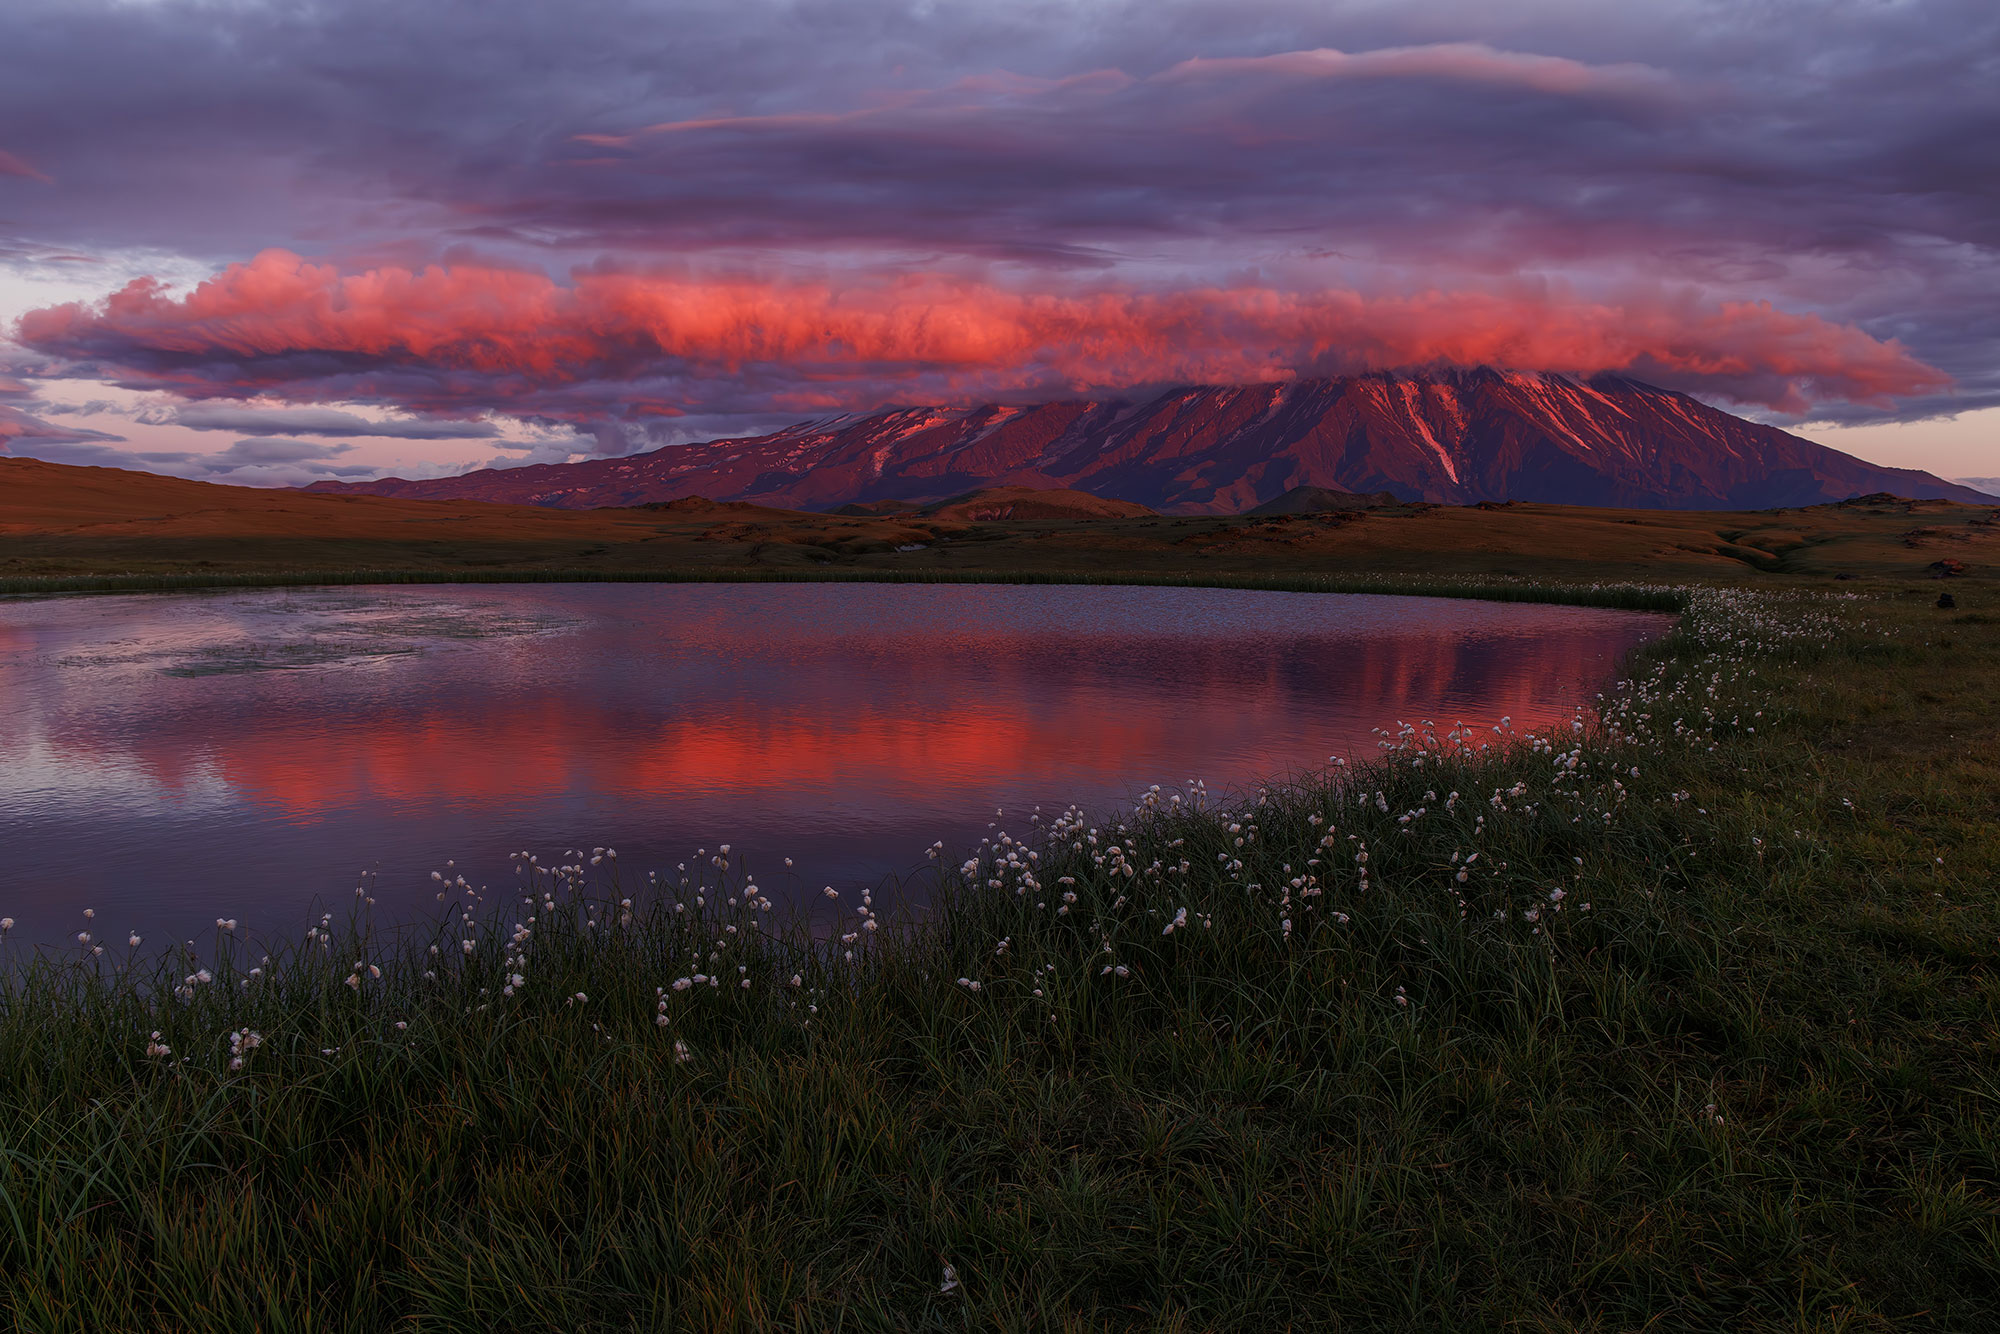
{"x":1843,"y":167}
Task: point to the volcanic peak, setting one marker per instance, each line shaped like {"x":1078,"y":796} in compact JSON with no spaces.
{"x":1447,"y":435}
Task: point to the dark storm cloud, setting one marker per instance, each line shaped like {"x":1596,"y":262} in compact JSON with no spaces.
{"x":1835,"y":160}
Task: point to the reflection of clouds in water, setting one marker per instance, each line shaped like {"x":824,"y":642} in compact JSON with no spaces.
{"x":903,"y":702}
{"x":40,"y":780}
{"x":237,"y":632}
{"x":794,"y":717}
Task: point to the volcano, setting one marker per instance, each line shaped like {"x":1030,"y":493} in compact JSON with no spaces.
{"x":1447,"y":436}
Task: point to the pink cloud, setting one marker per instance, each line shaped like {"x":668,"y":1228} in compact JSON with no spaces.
{"x":12,"y":165}
{"x":1459,"y":62}
{"x":463,"y":337}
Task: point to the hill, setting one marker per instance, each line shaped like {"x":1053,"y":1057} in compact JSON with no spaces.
{"x":66,"y":522}
{"x":1025,"y":502}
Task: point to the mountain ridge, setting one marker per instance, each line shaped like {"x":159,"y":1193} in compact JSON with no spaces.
{"x":1454,"y":436}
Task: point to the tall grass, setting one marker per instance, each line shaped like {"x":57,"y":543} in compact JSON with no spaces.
{"x":1652,"y":1021}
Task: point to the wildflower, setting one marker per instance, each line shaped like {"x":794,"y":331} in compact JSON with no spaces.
{"x":797,"y":981}
{"x":133,"y":941}
{"x":681,"y":1053}
{"x":6,"y":924}
{"x":950,"y":1283}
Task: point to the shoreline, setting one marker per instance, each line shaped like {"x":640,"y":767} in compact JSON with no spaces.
{"x":1626,"y":596}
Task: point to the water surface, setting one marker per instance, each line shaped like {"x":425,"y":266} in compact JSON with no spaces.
{"x":170,"y":759}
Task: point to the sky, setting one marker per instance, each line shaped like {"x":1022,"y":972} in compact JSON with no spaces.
{"x":269,"y":242}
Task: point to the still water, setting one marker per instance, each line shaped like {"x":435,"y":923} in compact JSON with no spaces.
{"x":167,"y":760}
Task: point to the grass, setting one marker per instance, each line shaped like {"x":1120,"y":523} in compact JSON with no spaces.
{"x":1704,"y":1037}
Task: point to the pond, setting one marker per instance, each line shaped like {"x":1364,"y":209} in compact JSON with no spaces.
{"x":167,"y":760}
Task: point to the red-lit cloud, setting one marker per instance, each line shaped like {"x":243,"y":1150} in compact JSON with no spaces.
{"x":12,"y":165}
{"x":462,"y":337}
{"x":1797,"y":217}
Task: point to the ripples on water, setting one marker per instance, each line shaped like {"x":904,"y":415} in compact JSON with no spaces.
{"x":171,"y":759}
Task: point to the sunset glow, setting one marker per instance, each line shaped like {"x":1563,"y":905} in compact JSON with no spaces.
{"x":424,"y":224}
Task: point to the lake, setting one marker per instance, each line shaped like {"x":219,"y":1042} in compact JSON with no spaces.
{"x":171,"y":759}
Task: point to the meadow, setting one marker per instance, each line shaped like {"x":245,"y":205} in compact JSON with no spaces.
{"x":1679,"y":1017}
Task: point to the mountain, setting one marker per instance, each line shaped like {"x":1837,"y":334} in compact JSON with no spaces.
{"x":1451,"y":436}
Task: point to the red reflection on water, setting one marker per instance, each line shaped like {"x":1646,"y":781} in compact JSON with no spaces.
{"x":158,"y":766}
{"x":914,"y":732}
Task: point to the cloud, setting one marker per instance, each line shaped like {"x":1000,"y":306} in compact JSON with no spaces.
{"x":314,"y":421}
{"x":1714,"y":171}
{"x":12,"y":165}
{"x":249,"y":462}
{"x":17,"y":426}
{"x":268,"y":450}
{"x":614,"y":344}
{"x":1460,"y":62}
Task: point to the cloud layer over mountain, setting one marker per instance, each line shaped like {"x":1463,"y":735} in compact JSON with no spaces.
{"x":606,"y":216}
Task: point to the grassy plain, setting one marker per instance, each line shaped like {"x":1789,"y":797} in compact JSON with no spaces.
{"x":1706,"y":1036}
{"x":99,"y":527}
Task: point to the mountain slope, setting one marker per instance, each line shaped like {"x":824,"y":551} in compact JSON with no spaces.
{"x":1452,"y":436}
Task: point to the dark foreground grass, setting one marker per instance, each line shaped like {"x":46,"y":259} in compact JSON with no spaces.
{"x":1685,"y":1020}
